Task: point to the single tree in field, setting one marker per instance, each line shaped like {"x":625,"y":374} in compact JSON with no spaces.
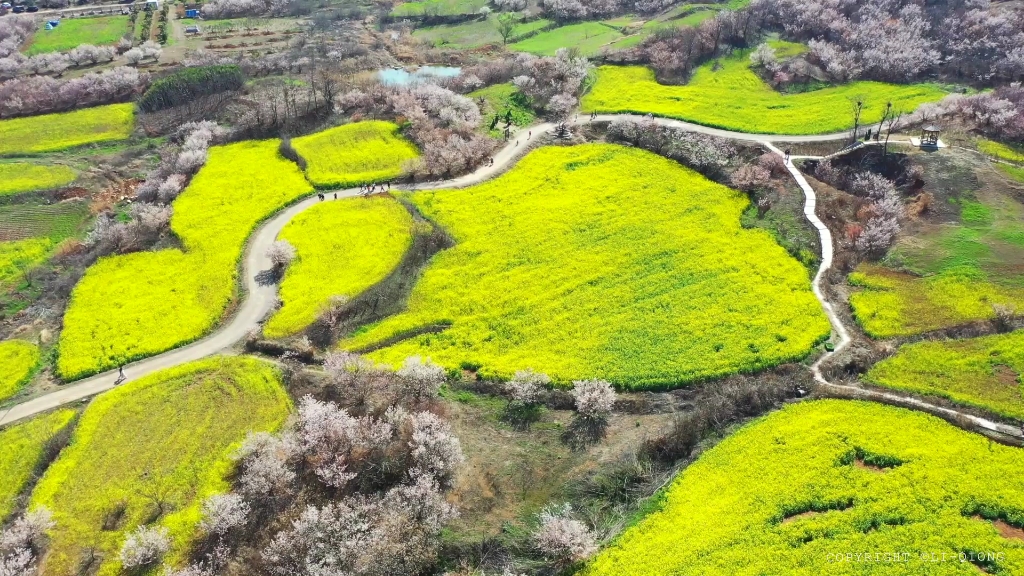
{"x":506,"y":24}
{"x":856,"y":107}
{"x":892,"y":122}
{"x":281,"y":253}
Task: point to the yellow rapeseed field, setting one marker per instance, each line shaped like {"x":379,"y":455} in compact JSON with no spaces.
{"x":880,"y":479}
{"x":891,"y":303}
{"x":136,"y":305}
{"x":343,"y":248}
{"x":601,"y":261}
{"x":21,"y":447}
{"x":17,"y":177}
{"x":153,"y":450}
{"x":352,"y":154}
{"x":982,"y":372}
{"x":50,"y":132}
{"x":17,"y":360}
{"x":735,"y":98}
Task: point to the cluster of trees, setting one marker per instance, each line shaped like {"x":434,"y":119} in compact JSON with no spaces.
{"x":15,"y":29}
{"x":581,"y":9}
{"x":22,"y":542}
{"x":148,"y":50}
{"x":882,"y":213}
{"x":190,"y":83}
{"x":674,"y":53}
{"x":55,"y":63}
{"x":362,"y":480}
{"x":169,"y":178}
{"x":900,"y":40}
{"x":998,"y":113}
{"x":218,"y":9}
{"x":41,"y":94}
{"x":441,"y":122}
{"x":706,"y":154}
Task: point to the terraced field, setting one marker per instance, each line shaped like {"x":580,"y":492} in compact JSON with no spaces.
{"x":982,"y":372}
{"x":17,"y":360}
{"x":602,"y":261}
{"x":136,"y":305}
{"x":735,"y":98}
{"x":358,"y":153}
{"x":791,"y":491}
{"x":21,"y":447}
{"x":50,"y":132}
{"x":17,"y":177}
{"x":152,"y":450}
{"x":343,"y":248}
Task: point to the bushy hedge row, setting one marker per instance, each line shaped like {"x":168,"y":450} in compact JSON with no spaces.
{"x":189,"y":83}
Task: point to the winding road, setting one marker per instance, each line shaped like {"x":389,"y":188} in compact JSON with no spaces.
{"x":259,"y":300}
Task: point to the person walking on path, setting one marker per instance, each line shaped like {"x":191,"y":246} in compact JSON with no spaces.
{"x":335,"y":195}
{"x":120,"y":375}
{"x":530,"y":135}
{"x":786,"y":159}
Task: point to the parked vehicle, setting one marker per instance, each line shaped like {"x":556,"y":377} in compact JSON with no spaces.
{"x":19,"y":9}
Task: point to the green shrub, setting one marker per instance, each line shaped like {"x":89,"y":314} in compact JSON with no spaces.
{"x":190,"y":83}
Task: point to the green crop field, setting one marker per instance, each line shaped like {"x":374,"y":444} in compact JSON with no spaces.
{"x":474,"y":34}
{"x":890,"y":303}
{"x":983,"y":372}
{"x":735,"y":98}
{"x":98,"y":31}
{"x":51,"y":132}
{"x":788,"y":492}
{"x":439,"y":7}
{"x":589,"y":37}
{"x":343,"y":248}
{"x":353,"y":154}
{"x":21,"y":447}
{"x":135,"y":305}
{"x":962,"y":271}
{"x":17,"y":360}
{"x":37,"y":220}
{"x":652,"y":26}
{"x":151,"y":451}
{"x":17,"y":177}
{"x":606,"y":262}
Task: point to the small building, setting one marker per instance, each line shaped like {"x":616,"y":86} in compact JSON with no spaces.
{"x":192,"y":29}
{"x":50,"y":25}
{"x":191,"y":13}
{"x":930,"y":135}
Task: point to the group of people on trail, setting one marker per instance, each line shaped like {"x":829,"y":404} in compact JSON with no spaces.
{"x":364,"y":190}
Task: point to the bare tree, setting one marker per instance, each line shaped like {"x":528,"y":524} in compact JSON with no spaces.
{"x":892,"y":122}
{"x":856,"y":107}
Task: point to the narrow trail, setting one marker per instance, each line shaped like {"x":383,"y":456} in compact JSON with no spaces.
{"x":257,"y":300}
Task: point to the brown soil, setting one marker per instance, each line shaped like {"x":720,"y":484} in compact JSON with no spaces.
{"x":1006,"y":376}
{"x":1008,"y":531}
{"x":863,"y":466}
{"x":795,"y":517}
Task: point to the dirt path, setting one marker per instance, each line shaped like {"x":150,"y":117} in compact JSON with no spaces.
{"x":258,"y":300}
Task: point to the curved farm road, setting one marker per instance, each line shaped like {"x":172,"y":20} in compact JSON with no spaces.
{"x":258,"y":300}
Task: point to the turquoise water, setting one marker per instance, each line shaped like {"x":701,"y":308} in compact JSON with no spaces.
{"x":400,"y":77}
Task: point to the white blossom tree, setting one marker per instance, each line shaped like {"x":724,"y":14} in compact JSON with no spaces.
{"x":281,"y":253}
{"x":145,"y":546}
{"x":563,"y":538}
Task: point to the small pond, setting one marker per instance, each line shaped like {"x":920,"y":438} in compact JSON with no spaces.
{"x":400,"y":77}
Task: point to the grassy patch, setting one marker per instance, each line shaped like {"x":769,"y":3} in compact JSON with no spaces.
{"x":500,"y":99}
{"x":17,"y":177}
{"x":53,"y":221}
{"x":737,"y":509}
{"x":439,"y":7}
{"x":135,"y":305}
{"x":21,"y":447}
{"x":604,"y":261}
{"x":1001,"y":151}
{"x":589,"y":37}
{"x":1013,"y":172}
{"x":98,"y":31}
{"x":469,"y":35}
{"x":20,"y":256}
{"x":735,"y":98}
{"x":354,"y":154}
{"x":891,"y":303}
{"x":50,"y":132}
{"x":149,"y":452}
{"x":17,"y":360}
{"x":960,"y":271}
{"x":343,"y":248}
{"x":983,"y":372}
